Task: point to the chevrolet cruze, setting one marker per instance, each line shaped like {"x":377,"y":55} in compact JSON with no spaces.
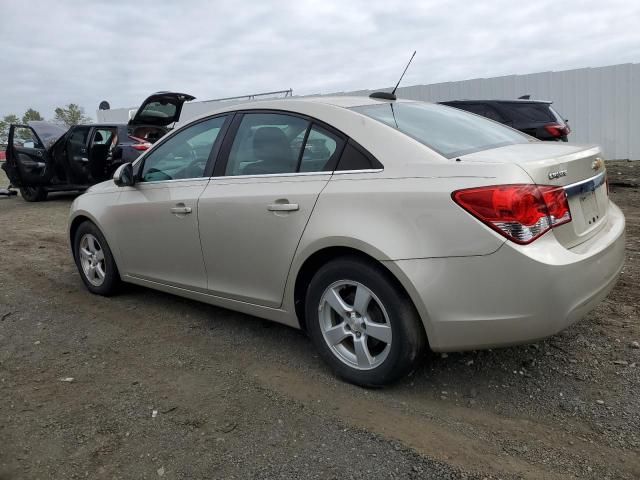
{"x":380,"y":227}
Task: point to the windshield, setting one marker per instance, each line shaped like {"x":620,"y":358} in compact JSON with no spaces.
{"x":449,"y":131}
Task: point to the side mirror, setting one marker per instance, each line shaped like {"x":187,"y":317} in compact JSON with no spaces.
{"x":123,"y":176}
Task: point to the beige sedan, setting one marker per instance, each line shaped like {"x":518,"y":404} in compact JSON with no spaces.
{"x":380,"y":227}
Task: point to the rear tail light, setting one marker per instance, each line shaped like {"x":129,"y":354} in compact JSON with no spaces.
{"x":521,"y":213}
{"x":141,"y":144}
{"x":556,"y":130}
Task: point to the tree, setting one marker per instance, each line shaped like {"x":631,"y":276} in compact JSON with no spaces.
{"x":31,"y":115}
{"x":71,"y":115}
{"x":6,"y":121}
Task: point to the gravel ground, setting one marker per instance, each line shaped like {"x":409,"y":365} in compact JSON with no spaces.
{"x":238,"y":397}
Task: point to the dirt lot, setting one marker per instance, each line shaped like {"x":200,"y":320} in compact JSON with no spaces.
{"x":238,"y":397}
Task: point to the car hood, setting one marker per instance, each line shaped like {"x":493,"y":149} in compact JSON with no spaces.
{"x":47,"y":132}
{"x":161,"y":109}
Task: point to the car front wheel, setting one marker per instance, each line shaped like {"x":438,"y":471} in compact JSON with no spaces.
{"x":362,"y":323}
{"x":95,"y":261}
{"x":33,"y":194}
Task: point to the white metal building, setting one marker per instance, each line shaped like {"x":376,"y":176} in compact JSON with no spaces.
{"x":602,"y":104}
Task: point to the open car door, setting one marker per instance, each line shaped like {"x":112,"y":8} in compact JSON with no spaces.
{"x":28,"y":161}
{"x":160,"y":109}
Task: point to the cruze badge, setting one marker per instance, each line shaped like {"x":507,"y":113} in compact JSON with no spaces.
{"x":597,"y":164}
{"x":558,"y":174}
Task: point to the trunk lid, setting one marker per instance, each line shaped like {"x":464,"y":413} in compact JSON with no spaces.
{"x":579,"y":169}
{"x":160,"y":109}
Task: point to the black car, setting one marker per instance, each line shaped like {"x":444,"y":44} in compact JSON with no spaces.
{"x":43,"y":157}
{"x":533,"y":117}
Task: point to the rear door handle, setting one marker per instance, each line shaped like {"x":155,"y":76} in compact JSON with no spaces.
{"x":181,"y":210}
{"x":283,"y":207}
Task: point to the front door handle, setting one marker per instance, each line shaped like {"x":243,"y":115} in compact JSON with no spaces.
{"x":283,"y":207}
{"x":181,"y":210}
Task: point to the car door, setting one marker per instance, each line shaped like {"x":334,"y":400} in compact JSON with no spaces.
{"x":256,"y":207}
{"x":157,"y":218}
{"x":77,"y":154}
{"x":28,"y":162}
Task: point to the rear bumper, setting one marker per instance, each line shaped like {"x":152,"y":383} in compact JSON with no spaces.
{"x":519,"y":294}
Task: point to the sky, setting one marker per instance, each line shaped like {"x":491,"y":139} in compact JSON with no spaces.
{"x":83,"y":52}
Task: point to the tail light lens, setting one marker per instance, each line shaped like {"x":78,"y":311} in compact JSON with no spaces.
{"x":556,"y":130}
{"x":141,"y":144}
{"x":522,"y":213}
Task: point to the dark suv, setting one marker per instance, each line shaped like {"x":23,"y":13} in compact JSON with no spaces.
{"x":43,"y":157}
{"x":533,"y":117}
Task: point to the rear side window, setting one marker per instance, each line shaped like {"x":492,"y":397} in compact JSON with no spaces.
{"x":449,"y":131}
{"x":355,"y":158}
{"x":481,"y":109}
{"x":531,"y":112}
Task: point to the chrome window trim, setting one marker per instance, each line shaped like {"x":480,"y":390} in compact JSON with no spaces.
{"x":364,"y":170}
{"x":156,"y":182}
{"x":271,"y":175}
{"x":584,"y":186}
{"x":300,"y":174}
{"x":266,"y":175}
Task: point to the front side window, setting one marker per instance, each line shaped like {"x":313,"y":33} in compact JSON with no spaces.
{"x":24,"y":137}
{"x":184,"y":155}
{"x":449,"y":131}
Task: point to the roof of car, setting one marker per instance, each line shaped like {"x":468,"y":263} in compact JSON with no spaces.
{"x":518,"y":100}
{"x":348,"y":101}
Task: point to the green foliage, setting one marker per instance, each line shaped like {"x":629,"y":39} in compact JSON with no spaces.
{"x":6,"y":121}
{"x":71,"y":115}
{"x":31,"y":115}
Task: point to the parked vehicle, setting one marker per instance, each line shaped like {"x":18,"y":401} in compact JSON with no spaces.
{"x":533,"y":117}
{"x":379,"y":227}
{"x":43,"y":157}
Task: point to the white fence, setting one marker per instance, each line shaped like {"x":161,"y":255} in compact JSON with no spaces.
{"x":602,"y":104}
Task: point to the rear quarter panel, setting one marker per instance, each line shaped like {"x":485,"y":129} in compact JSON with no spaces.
{"x":396,"y":218}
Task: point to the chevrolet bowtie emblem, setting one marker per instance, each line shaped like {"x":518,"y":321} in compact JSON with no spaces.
{"x":597,"y":164}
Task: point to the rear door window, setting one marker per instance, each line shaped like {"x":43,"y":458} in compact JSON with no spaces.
{"x":320,"y":150}
{"x":267,"y":143}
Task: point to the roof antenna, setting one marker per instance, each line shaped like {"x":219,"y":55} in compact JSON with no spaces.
{"x":392,"y":95}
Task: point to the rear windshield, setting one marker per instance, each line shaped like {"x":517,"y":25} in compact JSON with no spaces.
{"x":449,"y":131}
{"x":162,"y":109}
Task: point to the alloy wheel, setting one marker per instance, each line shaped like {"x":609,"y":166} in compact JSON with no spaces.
{"x":92,"y":259}
{"x":355,"y":325}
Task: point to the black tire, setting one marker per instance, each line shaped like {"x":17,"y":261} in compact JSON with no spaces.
{"x":408,"y":336}
{"x":34,"y":194}
{"x":111,"y":281}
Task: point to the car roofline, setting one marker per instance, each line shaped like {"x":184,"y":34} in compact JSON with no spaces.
{"x":515,"y":100}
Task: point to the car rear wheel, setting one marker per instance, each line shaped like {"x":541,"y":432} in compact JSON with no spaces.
{"x":95,"y":261}
{"x":362,"y":323}
{"x":33,"y":194}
